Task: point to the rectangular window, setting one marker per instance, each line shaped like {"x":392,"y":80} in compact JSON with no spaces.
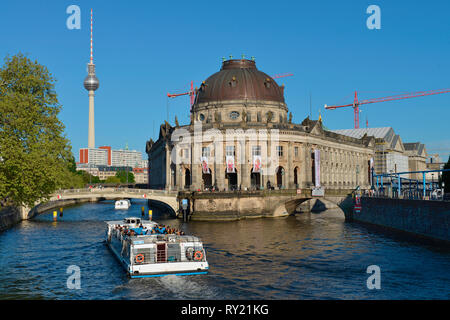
{"x":296,"y":152}
{"x":205,"y":152}
{"x":256,"y":150}
{"x":258,"y":116}
{"x":230,"y":151}
{"x":280,"y":151}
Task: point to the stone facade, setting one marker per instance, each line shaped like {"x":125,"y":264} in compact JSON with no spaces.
{"x":246,"y":126}
{"x":417,"y":158}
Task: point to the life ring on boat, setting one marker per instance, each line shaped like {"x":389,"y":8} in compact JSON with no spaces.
{"x":139,"y":258}
{"x":198,"y":255}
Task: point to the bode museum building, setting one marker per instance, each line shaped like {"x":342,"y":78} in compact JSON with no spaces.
{"x":241,"y":136}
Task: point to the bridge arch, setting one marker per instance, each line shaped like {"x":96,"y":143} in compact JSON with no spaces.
{"x":66,"y":197}
{"x":314,"y":204}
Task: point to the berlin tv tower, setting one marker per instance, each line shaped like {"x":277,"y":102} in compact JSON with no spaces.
{"x":91,"y":84}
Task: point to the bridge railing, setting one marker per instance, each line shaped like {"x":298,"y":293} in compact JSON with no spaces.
{"x":115,"y":190}
{"x":410,"y":194}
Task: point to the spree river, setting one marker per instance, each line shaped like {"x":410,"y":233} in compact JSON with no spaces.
{"x":307,"y":256}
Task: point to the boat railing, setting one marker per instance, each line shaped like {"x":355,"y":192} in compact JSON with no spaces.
{"x":173,"y":254}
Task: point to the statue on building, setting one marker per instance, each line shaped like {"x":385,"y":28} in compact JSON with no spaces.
{"x":176,"y":122}
{"x":269,"y":116}
{"x":290,"y":117}
{"x":244,"y":116}
{"x":149,"y":145}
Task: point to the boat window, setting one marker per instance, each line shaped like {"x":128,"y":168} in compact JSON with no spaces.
{"x":132,"y":221}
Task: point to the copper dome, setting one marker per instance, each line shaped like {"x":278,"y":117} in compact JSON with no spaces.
{"x":239,"y":80}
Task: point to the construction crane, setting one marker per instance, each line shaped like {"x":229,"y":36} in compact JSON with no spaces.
{"x":357,"y":103}
{"x":282,"y":75}
{"x":191,"y":92}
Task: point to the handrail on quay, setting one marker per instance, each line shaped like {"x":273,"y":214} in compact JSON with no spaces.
{"x":396,"y":186}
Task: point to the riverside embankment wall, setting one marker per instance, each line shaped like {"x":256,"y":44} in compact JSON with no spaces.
{"x":425,"y":218}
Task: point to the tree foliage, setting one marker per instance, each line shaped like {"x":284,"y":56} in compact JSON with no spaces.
{"x":88,"y":178}
{"x":113,"y":179}
{"x":122,"y":175}
{"x":35,"y":156}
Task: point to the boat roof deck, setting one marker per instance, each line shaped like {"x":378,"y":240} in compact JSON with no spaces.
{"x":154,"y":238}
{"x":122,"y":222}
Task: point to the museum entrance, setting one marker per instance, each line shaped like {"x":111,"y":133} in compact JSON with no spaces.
{"x":207,"y":180}
{"x":232,"y":180}
{"x":255,"y":180}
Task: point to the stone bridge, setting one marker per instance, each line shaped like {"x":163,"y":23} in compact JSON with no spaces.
{"x":211,"y":205}
{"x":264,"y":203}
{"x":98,"y":194}
{"x":68,"y":197}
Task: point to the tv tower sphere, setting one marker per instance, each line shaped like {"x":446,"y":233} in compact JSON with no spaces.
{"x":91,"y":82}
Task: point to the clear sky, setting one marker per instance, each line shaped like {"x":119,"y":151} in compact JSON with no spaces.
{"x":145,"y":49}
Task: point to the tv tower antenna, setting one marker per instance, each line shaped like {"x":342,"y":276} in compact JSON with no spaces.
{"x":91,"y":84}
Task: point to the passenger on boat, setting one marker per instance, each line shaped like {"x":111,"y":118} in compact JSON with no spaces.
{"x":140,"y":230}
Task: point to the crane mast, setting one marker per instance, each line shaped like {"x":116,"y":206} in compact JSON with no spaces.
{"x":356,"y":103}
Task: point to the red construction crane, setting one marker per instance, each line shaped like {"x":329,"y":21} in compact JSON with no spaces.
{"x":191,"y":92}
{"x":357,"y":103}
{"x":282,"y":75}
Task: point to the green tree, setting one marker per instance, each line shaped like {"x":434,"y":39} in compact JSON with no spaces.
{"x":122,"y":175}
{"x":446,"y":176}
{"x":34,"y":153}
{"x":88,"y":178}
{"x":112,"y":179}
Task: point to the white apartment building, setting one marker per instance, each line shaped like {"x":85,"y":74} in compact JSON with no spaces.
{"x":128,"y":158}
{"x":94,"y":156}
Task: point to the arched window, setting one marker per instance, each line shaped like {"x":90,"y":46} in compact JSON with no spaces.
{"x":296,"y":172}
{"x":280,"y":174}
{"x":187,"y":178}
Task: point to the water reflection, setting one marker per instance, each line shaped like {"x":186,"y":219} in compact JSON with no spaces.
{"x":307,"y":256}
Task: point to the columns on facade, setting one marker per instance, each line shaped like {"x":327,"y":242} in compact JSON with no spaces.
{"x":308,"y":165}
{"x":289,"y":172}
{"x":196,"y":172}
{"x":168,"y":168}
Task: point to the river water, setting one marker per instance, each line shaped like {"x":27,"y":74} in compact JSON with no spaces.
{"x":307,"y":256}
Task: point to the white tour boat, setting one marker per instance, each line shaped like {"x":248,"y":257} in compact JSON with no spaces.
{"x":144,"y":252}
{"x":122,"y":204}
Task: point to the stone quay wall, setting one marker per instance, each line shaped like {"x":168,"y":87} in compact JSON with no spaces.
{"x":423,"y":218}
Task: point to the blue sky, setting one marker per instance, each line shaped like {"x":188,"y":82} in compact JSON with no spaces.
{"x":144,"y":49}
